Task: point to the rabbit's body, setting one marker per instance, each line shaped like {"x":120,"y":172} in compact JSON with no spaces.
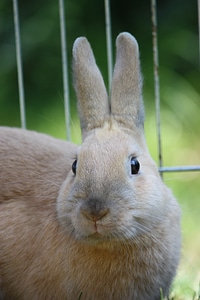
{"x":33,"y":167}
{"x":103,"y":227}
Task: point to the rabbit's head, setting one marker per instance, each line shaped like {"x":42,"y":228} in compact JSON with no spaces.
{"x":114,"y":191}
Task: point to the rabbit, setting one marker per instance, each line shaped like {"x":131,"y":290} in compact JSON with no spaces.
{"x":94,"y":221}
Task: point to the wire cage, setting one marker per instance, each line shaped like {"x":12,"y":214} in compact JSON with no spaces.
{"x":109,"y":52}
{"x":110,"y":67}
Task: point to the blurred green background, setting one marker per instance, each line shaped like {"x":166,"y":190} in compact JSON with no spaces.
{"x":179,"y":80}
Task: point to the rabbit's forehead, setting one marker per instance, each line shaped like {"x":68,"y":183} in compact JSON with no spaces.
{"x":108,"y":144}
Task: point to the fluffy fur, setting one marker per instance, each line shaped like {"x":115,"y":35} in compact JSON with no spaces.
{"x":102,"y":233}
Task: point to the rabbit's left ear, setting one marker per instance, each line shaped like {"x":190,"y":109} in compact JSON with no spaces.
{"x":90,"y":89}
{"x":126,"y":93}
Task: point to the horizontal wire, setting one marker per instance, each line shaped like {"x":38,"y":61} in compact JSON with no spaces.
{"x":179,"y":169}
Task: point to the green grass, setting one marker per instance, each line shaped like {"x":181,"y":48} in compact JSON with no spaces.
{"x":192,"y":295}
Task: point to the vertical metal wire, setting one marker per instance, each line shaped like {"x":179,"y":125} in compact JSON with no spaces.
{"x":65,"y":68}
{"x":109,"y":42}
{"x":199,"y":26}
{"x":19,"y":64}
{"x":156,"y":77}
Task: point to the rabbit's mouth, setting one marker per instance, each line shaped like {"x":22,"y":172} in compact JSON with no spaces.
{"x":93,"y":232}
{"x":99,"y":233}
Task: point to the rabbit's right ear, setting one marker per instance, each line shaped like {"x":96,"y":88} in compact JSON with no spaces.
{"x":90,"y":89}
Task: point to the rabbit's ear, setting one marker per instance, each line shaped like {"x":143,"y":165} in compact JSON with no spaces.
{"x":126,"y":94}
{"x":90,"y":89}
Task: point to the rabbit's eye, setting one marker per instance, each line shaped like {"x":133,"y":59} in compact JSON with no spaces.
{"x":135,"y":165}
{"x":74,"y":167}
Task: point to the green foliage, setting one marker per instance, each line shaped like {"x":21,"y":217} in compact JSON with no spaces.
{"x":179,"y":78}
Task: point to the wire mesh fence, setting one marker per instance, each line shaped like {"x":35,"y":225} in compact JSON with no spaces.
{"x":63,"y":35}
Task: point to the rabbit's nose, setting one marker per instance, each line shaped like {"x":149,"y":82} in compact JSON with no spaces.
{"x":94,"y":215}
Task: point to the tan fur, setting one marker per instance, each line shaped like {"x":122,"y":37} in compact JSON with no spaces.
{"x":103,"y":233}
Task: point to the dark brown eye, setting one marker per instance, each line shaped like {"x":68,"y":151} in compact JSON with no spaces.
{"x":135,"y":165}
{"x":74,"y":167}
